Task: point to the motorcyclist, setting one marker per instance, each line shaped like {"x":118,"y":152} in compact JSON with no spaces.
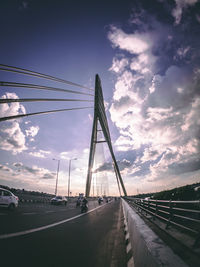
{"x":84,"y":201}
{"x":99,"y":200}
{"x":84,"y":206}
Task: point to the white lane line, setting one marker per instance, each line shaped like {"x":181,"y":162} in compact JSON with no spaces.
{"x":6,"y":236}
{"x":49,"y":211}
{"x":128,"y":248}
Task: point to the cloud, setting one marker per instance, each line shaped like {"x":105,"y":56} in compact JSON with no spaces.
{"x":18,"y":164}
{"x":29,"y":177}
{"x":181,"y":5}
{"x":108,"y":166}
{"x":65,"y":155}
{"x":189,"y":166}
{"x":5,"y":168}
{"x":40,"y":154}
{"x":150,"y":154}
{"x":41,"y":173}
{"x":118,"y":65}
{"x":32,"y":131}
{"x":182,"y":51}
{"x":156,"y":101}
{"x":12,"y":137}
{"x":124,"y":143}
{"x":133,"y":43}
{"x":143,"y":63}
{"x":12,"y":108}
{"x":72,"y":154}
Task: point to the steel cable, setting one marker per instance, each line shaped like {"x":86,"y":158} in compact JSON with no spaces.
{"x":4,"y":67}
{"x":40,"y":87}
{"x":11,"y":100}
{"x":38,"y":113}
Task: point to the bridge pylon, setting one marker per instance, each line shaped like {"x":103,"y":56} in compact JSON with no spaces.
{"x":100,"y":116}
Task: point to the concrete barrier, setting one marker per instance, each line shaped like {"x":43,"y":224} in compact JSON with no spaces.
{"x":148,"y":249}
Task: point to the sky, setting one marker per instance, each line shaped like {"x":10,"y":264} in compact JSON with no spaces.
{"x":148,"y":59}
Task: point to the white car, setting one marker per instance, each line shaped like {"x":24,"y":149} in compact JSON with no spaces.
{"x":8,"y":199}
{"x":59,"y":200}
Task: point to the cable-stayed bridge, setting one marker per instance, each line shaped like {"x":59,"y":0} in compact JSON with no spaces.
{"x":99,"y":119}
{"x":110,"y":234}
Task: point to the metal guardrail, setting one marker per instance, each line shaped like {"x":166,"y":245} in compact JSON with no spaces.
{"x":184,"y":215}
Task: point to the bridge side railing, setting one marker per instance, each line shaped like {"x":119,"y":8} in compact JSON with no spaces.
{"x":184,"y":215}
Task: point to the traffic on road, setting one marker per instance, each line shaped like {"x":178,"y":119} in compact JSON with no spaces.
{"x":62,"y":235}
{"x":8,"y":199}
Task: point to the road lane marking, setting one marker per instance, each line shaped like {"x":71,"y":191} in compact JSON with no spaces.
{"x":26,"y":232}
{"x":49,"y":211}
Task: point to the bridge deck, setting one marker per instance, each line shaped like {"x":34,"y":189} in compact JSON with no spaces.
{"x":94,"y":239}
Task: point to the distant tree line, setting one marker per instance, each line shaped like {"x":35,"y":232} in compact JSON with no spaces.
{"x":26,"y":192}
{"x":187,"y":192}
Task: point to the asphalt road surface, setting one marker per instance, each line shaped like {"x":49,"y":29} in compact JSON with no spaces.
{"x":54,"y":236}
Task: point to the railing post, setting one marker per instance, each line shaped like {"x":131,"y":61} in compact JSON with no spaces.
{"x":156,"y":211}
{"x":139,"y":205}
{"x":170,"y":213}
{"x":197,"y":239}
{"x":142,"y":205}
{"x":147,"y":207}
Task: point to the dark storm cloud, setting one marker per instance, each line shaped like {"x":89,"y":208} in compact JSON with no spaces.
{"x":180,"y":168}
{"x":4,"y":168}
{"x":14,"y":143}
{"x":166,"y":92}
{"x":18,"y":164}
{"x":141,"y":173}
{"x":31,"y":170}
{"x":39,"y":172}
{"x":49,"y":176}
{"x":108,"y":166}
{"x":167,"y":38}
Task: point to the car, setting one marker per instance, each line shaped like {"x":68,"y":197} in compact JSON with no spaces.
{"x":59,"y":200}
{"x":8,"y":199}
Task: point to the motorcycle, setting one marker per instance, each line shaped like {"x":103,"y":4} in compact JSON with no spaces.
{"x":78,"y":203}
{"x":100,"y":200}
{"x":84,"y":207}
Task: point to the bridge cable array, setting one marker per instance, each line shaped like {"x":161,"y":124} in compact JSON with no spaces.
{"x":38,"y":113}
{"x":40,"y":87}
{"x":23,"y":71}
{"x":14,"y":100}
{"x":99,"y":111}
{"x":39,"y":75}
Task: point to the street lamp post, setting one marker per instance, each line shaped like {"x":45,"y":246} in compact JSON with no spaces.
{"x":57,"y":175}
{"x":69,"y":175}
